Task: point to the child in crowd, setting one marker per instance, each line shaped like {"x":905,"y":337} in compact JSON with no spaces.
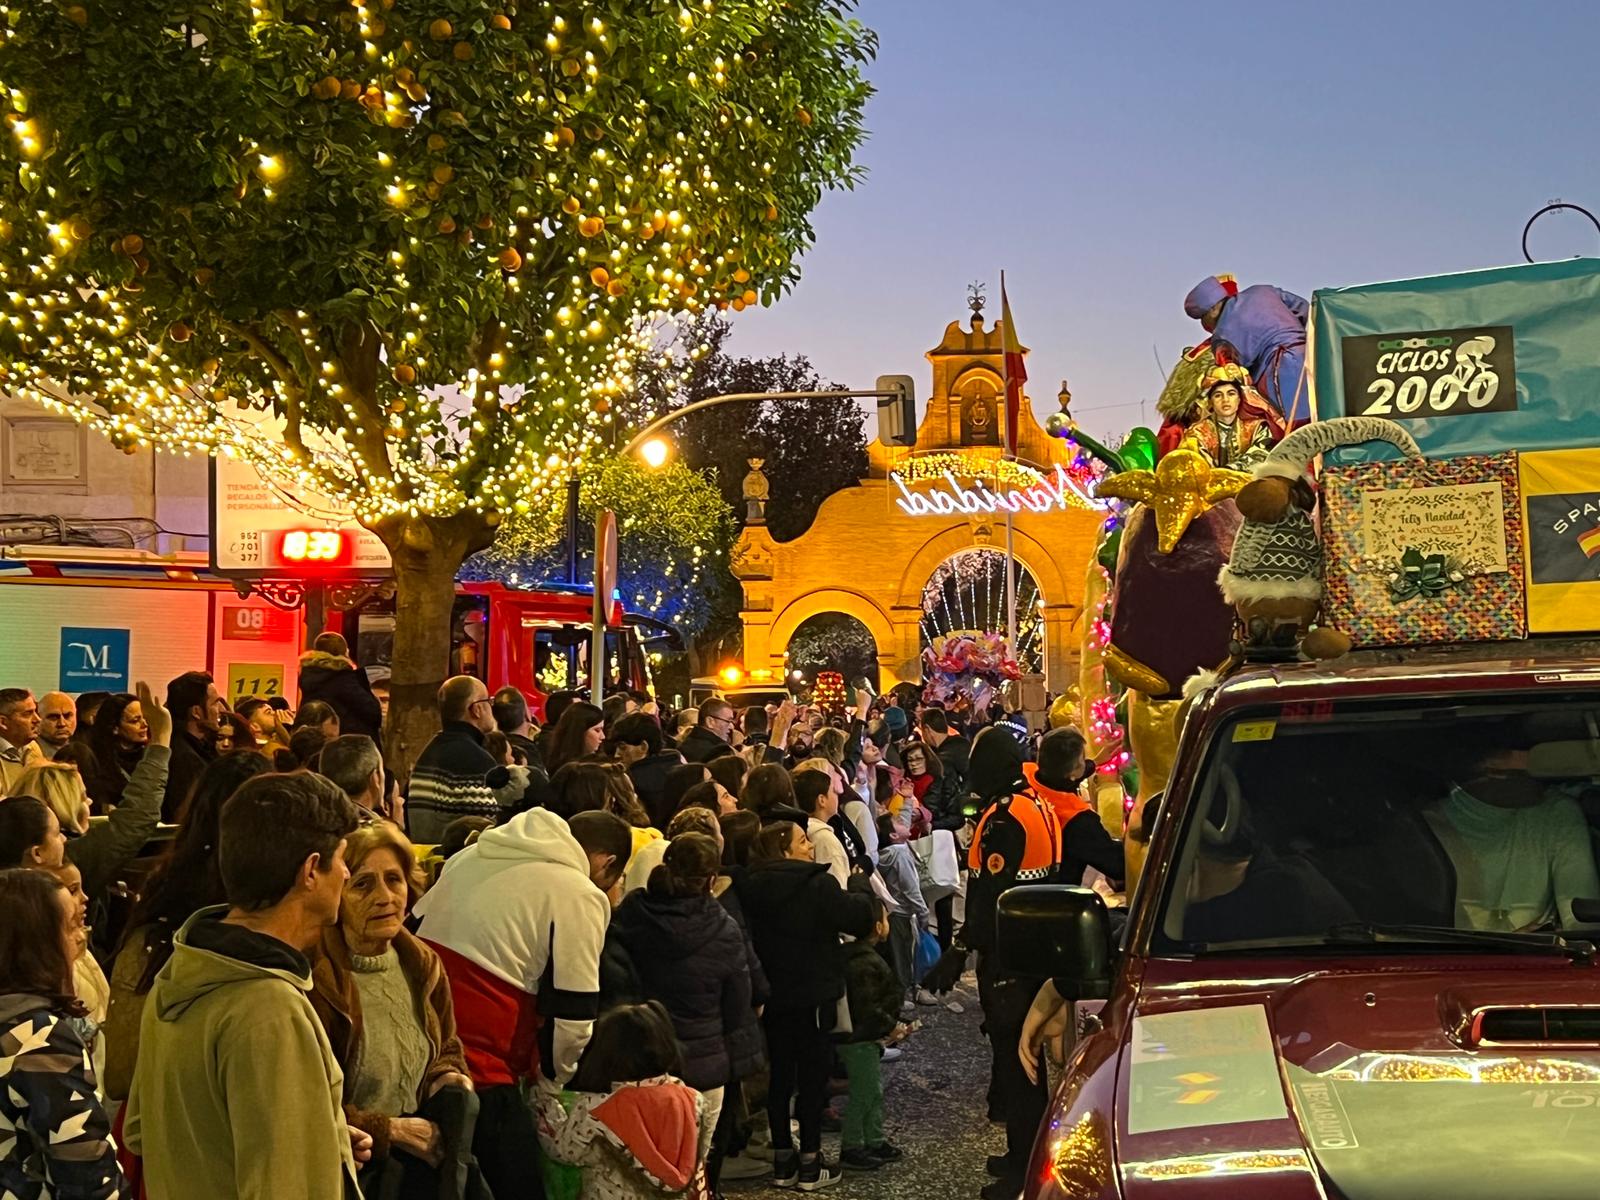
{"x":637,"y":1131}
{"x":897,"y":867}
{"x":875,"y":996}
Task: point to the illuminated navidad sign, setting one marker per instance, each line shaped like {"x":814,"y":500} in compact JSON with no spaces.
{"x":947,"y":496}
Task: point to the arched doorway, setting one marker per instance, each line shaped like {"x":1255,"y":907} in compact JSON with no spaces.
{"x":834,"y":641}
{"x":967,"y":591}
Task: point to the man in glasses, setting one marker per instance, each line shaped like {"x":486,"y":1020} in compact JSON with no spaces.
{"x":455,"y":776}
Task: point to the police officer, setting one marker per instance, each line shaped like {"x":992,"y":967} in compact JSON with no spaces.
{"x":1018,"y":840}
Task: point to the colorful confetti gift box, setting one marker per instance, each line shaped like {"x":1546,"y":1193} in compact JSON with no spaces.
{"x":1561,"y":538}
{"x":1421,"y":551}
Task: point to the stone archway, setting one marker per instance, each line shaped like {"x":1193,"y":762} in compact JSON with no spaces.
{"x":967,"y":591}
{"x":833,"y":641}
{"x":834,"y":600}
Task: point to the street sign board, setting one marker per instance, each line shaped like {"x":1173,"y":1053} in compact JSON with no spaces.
{"x":260,"y":528}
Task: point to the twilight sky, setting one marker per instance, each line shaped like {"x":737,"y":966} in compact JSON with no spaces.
{"x":1109,"y":155}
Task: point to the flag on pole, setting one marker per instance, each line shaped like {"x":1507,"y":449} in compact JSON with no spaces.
{"x":1015,"y":373}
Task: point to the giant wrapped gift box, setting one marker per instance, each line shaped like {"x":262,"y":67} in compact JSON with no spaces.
{"x":1561,"y":536}
{"x":1422,"y":550}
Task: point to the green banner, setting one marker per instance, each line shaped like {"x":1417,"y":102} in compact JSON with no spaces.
{"x":1473,"y":363}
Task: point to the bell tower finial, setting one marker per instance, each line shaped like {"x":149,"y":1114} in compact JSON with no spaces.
{"x":976,"y":298}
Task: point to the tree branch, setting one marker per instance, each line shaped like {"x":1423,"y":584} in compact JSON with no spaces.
{"x":293,"y":388}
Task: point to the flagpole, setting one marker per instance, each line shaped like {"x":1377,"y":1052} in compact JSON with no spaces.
{"x":1010,"y":447}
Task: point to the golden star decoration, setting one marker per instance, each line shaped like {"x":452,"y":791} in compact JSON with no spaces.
{"x":1182,"y":486}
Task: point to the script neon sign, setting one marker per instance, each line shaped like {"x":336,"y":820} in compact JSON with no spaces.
{"x":948,"y":496}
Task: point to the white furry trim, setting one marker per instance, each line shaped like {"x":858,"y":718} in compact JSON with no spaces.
{"x":1237,"y":588}
{"x":1305,"y":443}
{"x":1199,"y":682}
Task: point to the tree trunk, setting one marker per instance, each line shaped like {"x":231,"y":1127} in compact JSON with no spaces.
{"x":427,"y":553}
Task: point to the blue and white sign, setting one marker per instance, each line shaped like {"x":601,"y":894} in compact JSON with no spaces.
{"x":94,"y":660}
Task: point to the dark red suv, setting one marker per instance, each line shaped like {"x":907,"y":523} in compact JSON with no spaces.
{"x":1360,"y":961}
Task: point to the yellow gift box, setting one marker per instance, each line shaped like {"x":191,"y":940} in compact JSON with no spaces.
{"x":1561,"y":539}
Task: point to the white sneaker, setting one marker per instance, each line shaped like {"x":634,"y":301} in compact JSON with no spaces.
{"x":817,"y":1175}
{"x":891,"y":1054}
{"x":955,"y":1006}
{"x":745,"y":1166}
{"x":926,"y":998}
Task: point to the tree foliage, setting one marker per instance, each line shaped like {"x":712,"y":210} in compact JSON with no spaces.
{"x":674,"y":532}
{"x":834,"y":642}
{"x":386,"y":250}
{"x":812,"y":448}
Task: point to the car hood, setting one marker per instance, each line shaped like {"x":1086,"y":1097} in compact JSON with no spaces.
{"x":1367,"y":1079}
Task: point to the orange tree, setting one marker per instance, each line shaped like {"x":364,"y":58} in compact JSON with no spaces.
{"x":387,"y":250}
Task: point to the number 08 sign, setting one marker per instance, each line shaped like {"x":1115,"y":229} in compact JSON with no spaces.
{"x":1430,"y":373}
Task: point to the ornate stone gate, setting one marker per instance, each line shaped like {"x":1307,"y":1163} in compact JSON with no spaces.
{"x":868,"y":557}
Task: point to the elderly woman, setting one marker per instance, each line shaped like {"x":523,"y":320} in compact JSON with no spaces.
{"x":383,"y":998}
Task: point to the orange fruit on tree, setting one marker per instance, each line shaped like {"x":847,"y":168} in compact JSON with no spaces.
{"x":326,"y":88}
{"x":571,"y":67}
{"x":659,"y":221}
{"x":803,"y":116}
{"x":416,"y":91}
{"x":738,"y":305}
{"x":602,"y":405}
{"x":78,"y":15}
{"x":599,"y":277}
{"x":447,"y":224}
{"x":570,"y":206}
{"x":463,"y":51}
{"x":500,"y":21}
{"x":486,"y":221}
{"x":440,"y":30}
{"x":741,"y":276}
{"x":377,"y":27}
{"x":565,"y":136}
{"x":179,"y":332}
{"x":405,"y":373}
{"x":433,"y":190}
{"x":79,"y":229}
{"x":443,"y":173}
{"x":772,"y":212}
{"x":204,"y":276}
{"x":405,"y":75}
{"x":132,"y":244}
{"x":510,"y":260}
{"x":349,"y":90}
{"x":436,"y":142}
{"x":750,"y":296}
{"x":591,"y":226}
{"x":616,"y":288}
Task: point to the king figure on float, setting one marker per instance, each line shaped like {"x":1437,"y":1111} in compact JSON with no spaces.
{"x":1232,"y":429}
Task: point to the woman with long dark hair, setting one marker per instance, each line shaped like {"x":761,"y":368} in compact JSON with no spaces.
{"x":186,"y":880}
{"x":59,"y":1133}
{"x":578,"y":734}
{"x":118,"y":736}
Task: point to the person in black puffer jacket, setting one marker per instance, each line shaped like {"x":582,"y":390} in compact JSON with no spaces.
{"x":797,"y":911}
{"x":690,"y":955}
{"x":328,"y":674}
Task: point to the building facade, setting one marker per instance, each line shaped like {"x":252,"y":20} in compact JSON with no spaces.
{"x":878,"y":545}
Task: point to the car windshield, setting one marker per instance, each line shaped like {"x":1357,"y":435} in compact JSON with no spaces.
{"x":1356,"y":824}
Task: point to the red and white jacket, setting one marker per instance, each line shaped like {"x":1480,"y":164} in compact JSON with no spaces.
{"x":520,"y":928}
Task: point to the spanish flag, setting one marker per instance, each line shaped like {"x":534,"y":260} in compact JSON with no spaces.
{"x":1589,"y":542}
{"x":1015,"y":373}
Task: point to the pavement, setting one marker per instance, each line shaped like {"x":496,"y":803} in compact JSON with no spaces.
{"x":934,"y":1110}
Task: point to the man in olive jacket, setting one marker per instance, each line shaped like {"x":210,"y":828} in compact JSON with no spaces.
{"x":237,"y":1094}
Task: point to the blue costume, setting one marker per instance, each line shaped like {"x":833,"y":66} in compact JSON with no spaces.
{"x":1264,"y":330}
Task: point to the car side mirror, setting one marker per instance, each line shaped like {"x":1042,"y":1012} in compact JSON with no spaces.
{"x":1056,"y":931}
